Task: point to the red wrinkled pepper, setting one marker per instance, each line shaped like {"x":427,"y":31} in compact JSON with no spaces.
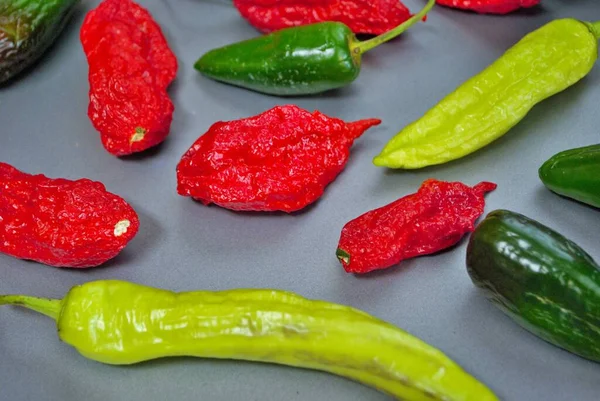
{"x":279,"y":160}
{"x":489,"y":6}
{"x":61,"y":222}
{"x":362,"y":16}
{"x":130,"y":68}
{"x":434,"y":218}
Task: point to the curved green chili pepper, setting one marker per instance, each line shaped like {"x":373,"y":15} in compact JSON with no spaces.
{"x":545,"y":62}
{"x":301,"y":60}
{"x":574,"y":173}
{"x":117,"y":322}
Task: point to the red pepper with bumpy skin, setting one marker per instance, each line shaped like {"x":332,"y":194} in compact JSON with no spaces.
{"x":489,"y":6}
{"x":433,"y":219}
{"x":372,"y":17}
{"x":60,"y":222}
{"x":279,"y":160}
{"x":130,"y":68}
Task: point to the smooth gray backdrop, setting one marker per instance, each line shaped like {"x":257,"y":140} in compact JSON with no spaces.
{"x":183,"y":245}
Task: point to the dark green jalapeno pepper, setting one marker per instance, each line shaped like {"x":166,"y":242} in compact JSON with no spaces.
{"x":575,"y":174}
{"x":302,"y":60}
{"x":27,"y":29}
{"x":542,"y":280}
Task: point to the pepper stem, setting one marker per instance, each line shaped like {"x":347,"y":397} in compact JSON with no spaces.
{"x":49,"y":307}
{"x":594,"y":28}
{"x":363,"y":47}
{"x":343,"y":256}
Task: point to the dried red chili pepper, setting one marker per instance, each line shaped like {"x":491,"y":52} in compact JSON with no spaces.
{"x":362,"y":16}
{"x":489,"y":6}
{"x":279,"y":160}
{"x":434,"y":218}
{"x":60,"y":222}
{"x":130,"y":68}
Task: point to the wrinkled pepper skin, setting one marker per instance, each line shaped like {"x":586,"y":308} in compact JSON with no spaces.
{"x":370,"y":17}
{"x":130,"y":69}
{"x":120,"y":323}
{"x":27,"y":29}
{"x":434,"y":218}
{"x":302,"y":60}
{"x":484,"y":108}
{"x":574,"y":173}
{"x":280,"y":160}
{"x":60,"y":222}
{"x":540,"y":279}
{"x":489,"y":6}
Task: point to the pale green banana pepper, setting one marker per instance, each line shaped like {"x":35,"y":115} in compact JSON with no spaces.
{"x":543,"y":63}
{"x":121,"y":323}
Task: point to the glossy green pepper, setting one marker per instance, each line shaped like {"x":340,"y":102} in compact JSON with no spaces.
{"x":543,"y":281}
{"x":574,"y":173}
{"x":27,"y":29}
{"x":301,"y":60}
{"x":484,"y":108}
{"x":117,"y":322}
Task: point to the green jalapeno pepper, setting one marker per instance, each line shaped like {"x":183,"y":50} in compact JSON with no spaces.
{"x":545,"y":62}
{"x":28,"y":28}
{"x":543,"y":281}
{"x":302,"y":60}
{"x":574,"y":173}
{"x":117,"y":322}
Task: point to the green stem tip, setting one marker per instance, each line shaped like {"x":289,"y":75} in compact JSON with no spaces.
{"x":46,"y":306}
{"x":343,"y":256}
{"x":363,"y":47}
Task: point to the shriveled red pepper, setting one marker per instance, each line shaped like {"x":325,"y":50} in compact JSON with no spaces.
{"x":489,"y":6}
{"x":279,"y":160}
{"x":61,"y":222}
{"x":434,"y":218}
{"x":362,"y":16}
{"x":130,"y":68}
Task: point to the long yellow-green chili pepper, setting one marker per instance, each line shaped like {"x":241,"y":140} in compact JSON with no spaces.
{"x":118,"y":322}
{"x":545,"y":62}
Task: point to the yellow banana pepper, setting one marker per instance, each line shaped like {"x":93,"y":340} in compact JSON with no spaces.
{"x":117,"y":322}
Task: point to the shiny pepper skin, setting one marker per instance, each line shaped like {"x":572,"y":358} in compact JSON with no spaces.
{"x":575,"y":174}
{"x":28,"y":28}
{"x":361,"y":16}
{"x":279,"y":160}
{"x":122,"y":323}
{"x":484,"y":108}
{"x":60,"y":222}
{"x":489,"y":6}
{"x":130,"y":68}
{"x":433,"y":219}
{"x":300,"y":60}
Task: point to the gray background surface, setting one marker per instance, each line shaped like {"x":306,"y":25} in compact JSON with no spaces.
{"x":183,"y":245}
